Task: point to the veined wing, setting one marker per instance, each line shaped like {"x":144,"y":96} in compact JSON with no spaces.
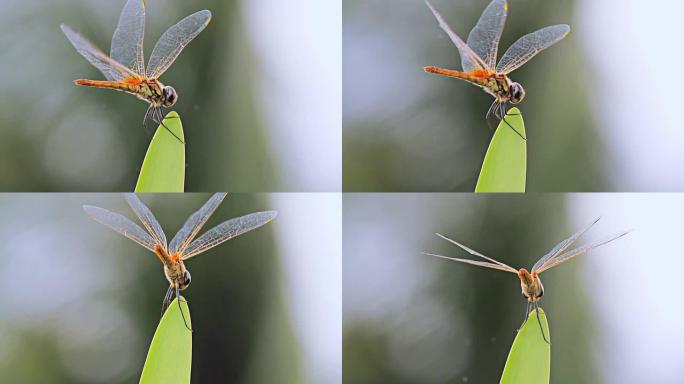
{"x":474,"y":262}
{"x":529,"y":45}
{"x":563,"y":245}
{"x":227,"y":230}
{"x":194,"y":224}
{"x":469,"y":59}
{"x":147,"y":218}
{"x":112,"y":70}
{"x":552,"y":262}
{"x":174,"y":40}
{"x":492,"y":262}
{"x":127,"y":42}
{"x":484,"y":37}
{"x":121,"y":224}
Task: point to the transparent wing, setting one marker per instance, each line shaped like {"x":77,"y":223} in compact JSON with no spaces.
{"x":469,"y":59}
{"x":127,"y":42}
{"x":194,"y":224}
{"x":147,"y":218}
{"x":227,"y":230}
{"x":112,"y":70}
{"x":529,"y":45}
{"x":121,"y":224}
{"x":563,"y":245}
{"x":484,"y":38}
{"x":501,"y":265}
{"x":174,"y":40}
{"x":576,"y":252}
{"x":473,"y":262}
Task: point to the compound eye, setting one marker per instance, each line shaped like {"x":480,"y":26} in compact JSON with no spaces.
{"x":517,"y":93}
{"x":170,"y":96}
{"x":186,"y":277}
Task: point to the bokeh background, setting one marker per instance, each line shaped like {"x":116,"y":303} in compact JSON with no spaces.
{"x":599,"y":112}
{"x":81,"y":302}
{"x":615,"y":314}
{"x":259,"y":97}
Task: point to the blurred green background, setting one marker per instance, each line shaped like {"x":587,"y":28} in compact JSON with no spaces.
{"x":82,"y":302}
{"x":248,"y":122}
{"x":406,"y":130}
{"x":411,"y":318}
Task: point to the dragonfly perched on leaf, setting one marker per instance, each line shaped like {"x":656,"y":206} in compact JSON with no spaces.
{"x":182,"y":247}
{"x":531,"y":285}
{"x":478,"y":56}
{"x":124,"y":68}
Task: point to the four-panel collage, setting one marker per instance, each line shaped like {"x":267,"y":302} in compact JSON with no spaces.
{"x":341,"y":191}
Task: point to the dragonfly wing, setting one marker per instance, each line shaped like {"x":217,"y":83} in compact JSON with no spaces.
{"x":227,"y":230}
{"x":194,"y":224}
{"x":484,"y":38}
{"x":121,"y":224}
{"x":529,"y":45}
{"x":174,"y":40}
{"x":473,"y":262}
{"x":147,"y":218}
{"x":475,"y":253}
{"x":112,"y":70}
{"x":127,"y":42}
{"x":469,"y":59}
{"x":563,"y":245}
{"x":576,"y":252}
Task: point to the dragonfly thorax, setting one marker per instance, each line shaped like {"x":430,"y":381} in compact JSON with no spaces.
{"x":531,"y":285}
{"x":177,"y":275}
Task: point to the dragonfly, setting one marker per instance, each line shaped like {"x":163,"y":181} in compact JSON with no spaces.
{"x":479,"y":53}
{"x":182,"y":247}
{"x":124,"y":68}
{"x":531,"y":285}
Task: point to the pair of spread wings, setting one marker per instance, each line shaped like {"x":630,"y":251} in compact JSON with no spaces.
{"x":182,"y":244}
{"x":559,"y":254}
{"x":479,"y":53}
{"x":126,"y":59}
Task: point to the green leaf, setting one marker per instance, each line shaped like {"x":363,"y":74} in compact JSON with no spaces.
{"x":163,"y":169}
{"x":529,"y":360}
{"x":505,"y":165}
{"x":170,"y":356}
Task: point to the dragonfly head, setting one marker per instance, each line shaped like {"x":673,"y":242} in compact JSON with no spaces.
{"x":170,"y":96}
{"x":517,"y":93}
{"x":184,"y":281}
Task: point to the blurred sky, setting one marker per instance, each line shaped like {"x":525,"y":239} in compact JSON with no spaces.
{"x":85,"y":300}
{"x":434,"y":321}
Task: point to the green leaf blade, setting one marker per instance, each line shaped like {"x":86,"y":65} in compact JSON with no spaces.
{"x":529,"y":360}
{"x":163,"y":169}
{"x":505,"y":165}
{"x":170,"y":356}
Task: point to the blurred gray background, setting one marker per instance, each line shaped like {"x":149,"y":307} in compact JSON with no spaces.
{"x":259,"y":97}
{"x":614,"y":314}
{"x":599,"y":112}
{"x":81,"y":302}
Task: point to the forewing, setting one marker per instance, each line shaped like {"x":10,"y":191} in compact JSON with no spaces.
{"x":112,"y":70}
{"x":121,"y":224}
{"x":484,"y":38}
{"x":194,"y":224}
{"x":174,"y":40}
{"x":469,"y":59}
{"x":576,"y":252}
{"x":147,"y":218}
{"x":127,"y":42}
{"x":474,"y":262}
{"x":529,"y":45}
{"x":475,"y":253}
{"x":563,"y":245}
{"x":227,"y":230}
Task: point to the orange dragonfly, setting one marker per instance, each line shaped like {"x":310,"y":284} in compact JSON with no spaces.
{"x":531,"y":285}
{"x":182,"y":247}
{"x":124,"y":68}
{"x":478,"y":56}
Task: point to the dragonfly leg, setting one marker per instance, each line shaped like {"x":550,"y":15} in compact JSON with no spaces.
{"x":178,"y":296}
{"x":159,"y":118}
{"x":167,"y":299}
{"x":527,"y":314}
{"x":491,"y":112}
{"x":536,"y":308}
{"x":501,"y":114}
